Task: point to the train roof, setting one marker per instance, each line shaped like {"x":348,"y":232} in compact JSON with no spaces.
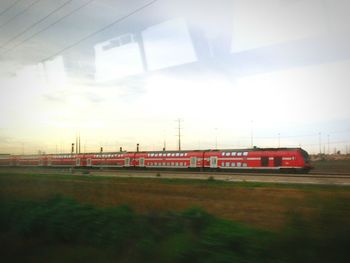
{"x":170,"y":151}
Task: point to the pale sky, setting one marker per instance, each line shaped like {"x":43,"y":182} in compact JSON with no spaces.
{"x":277,"y":71}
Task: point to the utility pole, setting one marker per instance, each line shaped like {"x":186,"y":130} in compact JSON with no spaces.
{"x":76,"y":143}
{"x":79,"y":143}
{"x":251,"y":134}
{"x":179,"y":133}
{"x":328,"y":144}
{"x":319,"y":143}
{"x":164,"y":140}
{"x":216,"y":138}
{"x":279,"y":140}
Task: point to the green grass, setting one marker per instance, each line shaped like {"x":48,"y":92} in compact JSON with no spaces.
{"x":211,"y":181}
{"x":161,"y":237}
{"x":60,"y":229}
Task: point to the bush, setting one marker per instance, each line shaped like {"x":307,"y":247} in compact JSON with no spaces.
{"x":190,"y":236}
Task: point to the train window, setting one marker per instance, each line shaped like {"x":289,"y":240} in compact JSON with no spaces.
{"x":223,"y":154}
{"x":228,"y":154}
{"x":173,"y":154}
{"x":244,"y":164}
{"x":245,"y":154}
{"x":239,"y":154}
{"x":168,"y":154}
{"x":177,"y":154}
{"x":152,"y":154}
{"x":233,"y":164}
{"x":233,"y":153}
{"x":172,"y":164}
{"x":227,"y":164}
{"x":239,"y":164}
{"x":185,"y":154}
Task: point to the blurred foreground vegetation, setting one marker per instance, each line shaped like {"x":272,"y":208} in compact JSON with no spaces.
{"x":60,"y":229}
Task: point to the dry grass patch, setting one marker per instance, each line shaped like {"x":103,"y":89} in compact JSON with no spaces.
{"x":266,"y":206}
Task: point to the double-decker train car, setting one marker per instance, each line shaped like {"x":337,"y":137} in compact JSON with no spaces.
{"x":266,"y":159}
{"x":256,"y":159}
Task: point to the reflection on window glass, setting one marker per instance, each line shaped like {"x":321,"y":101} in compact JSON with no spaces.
{"x":168,"y":44}
{"x":259,"y":23}
{"x":117,"y":58}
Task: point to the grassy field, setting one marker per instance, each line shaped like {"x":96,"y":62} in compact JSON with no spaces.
{"x":241,"y":222}
{"x":256,"y":204}
{"x":341,"y":166}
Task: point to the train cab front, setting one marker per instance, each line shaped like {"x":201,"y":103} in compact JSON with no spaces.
{"x":307,"y":162}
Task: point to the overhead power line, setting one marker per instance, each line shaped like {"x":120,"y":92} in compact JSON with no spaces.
{"x":9,"y":7}
{"x":118,"y":20}
{"x":20,"y":13}
{"x":49,"y":26}
{"x":36,"y":23}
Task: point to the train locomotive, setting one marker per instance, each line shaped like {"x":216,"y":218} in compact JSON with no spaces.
{"x":253,"y":160}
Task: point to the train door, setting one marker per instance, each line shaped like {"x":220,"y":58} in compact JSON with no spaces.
{"x":213,"y":162}
{"x":142,"y":162}
{"x":77,"y":162}
{"x":127,"y":162}
{"x":88,"y":162}
{"x":277,"y":161}
{"x":264,"y":161}
{"x":193,"y":162}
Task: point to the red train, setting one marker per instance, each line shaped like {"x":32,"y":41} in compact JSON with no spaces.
{"x":256,"y":159}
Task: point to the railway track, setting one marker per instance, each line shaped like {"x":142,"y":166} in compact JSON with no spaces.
{"x":313,"y":177}
{"x":309,"y":175}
